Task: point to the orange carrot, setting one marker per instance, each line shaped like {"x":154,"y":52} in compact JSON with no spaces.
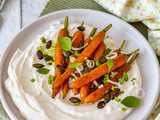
{"x":82,"y":57}
{"x":98,"y":72}
{"x":65,"y":88}
{"x":59,"y":57}
{"x":99,"y":93}
{"x":75,"y":91}
{"x":88,"y":40}
{"x":98,"y":53}
{"x":84,"y":91}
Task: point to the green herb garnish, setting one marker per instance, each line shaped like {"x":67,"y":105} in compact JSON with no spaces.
{"x":74,"y":65}
{"x":107,"y":51}
{"x":131,"y":102}
{"x":124,"y":78}
{"x":40,"y":48}
{"x":53,"y":45}
{"x":117,"y":99}
{"x":112,"y":88}
{"x":32,"y":80}
{"x":133,"y":83}
{"x":51,"y":77}
{"x":110,"y":63}
{"x":43,"y":40}
{"x":133,"y":79}
{"x":124,"y":109}
{"x":77,"y":54}
{"x":76,"y":104}
{"x":43,"y":71}
{"x":65,"y":43}
{"x":98,"y":63}
{"x":121,"y":92}
{"x":50,"y":82}
{"x":106,"y":78}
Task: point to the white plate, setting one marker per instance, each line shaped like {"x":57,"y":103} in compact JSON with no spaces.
{"x":121,"y":30}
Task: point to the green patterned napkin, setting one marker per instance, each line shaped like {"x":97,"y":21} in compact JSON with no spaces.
{"x":56,"y":5}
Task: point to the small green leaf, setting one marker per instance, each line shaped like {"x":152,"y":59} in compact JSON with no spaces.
{"x":65,"y":43}
{"x":76,"y":104}
{"x":51,"y":77}
{"x":131,"y":102}
{"x":74,"y":65}
{"x":43,"y":40}
{"x":133,"y":79}
{"x":43,"y":71}
{"x":107,"y":51}
{"x":121,"y":92}
{"x":32,"y":80}
{"x":124,"y":109}
{"x":110,"y":63}
{"x":98,"y":63}
{"x":76,"y":54}
{"x":117,"y":99}
{"x":125,"y":76}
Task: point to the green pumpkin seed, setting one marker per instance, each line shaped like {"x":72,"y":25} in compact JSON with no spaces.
{"x":39,"y":54}
{"x":38,"y":65}
{"x":47,"y":58}
{"x":74,"y":100}
{"x":103,"y":59}
{"x":115,"y":93}
{"x":101,"y":104}
{"x":107,"y":97}
{"x":48,"y":44}
{"x":60,"y":68}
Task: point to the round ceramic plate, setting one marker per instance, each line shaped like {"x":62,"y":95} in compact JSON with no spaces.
{"x":121,"y":30}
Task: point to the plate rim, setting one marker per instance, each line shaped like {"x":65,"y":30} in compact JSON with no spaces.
{"x":4,"y":103}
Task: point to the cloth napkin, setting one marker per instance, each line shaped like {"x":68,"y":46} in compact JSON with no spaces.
{"x":135,"y":11}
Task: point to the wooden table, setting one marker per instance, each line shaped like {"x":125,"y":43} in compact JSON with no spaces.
{"x":17,"y":14}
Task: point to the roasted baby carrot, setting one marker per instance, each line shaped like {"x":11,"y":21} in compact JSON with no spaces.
{"x":86,"y":53}
{"x":99,"y":72}
{"x":59,"y":56}
{"x":65,"y":88}
{"x":76,"y":91}
{"x":99,"y":93}
{"x":84,"y":91}
{"x":98,"y":53}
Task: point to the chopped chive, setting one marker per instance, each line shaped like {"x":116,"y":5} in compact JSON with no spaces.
{"x":121,"y":92}
{"x":98,"y":63}
{"x":76,"y":104}
{"x":32,"y":80}
{"x":43,"y":40}
{"x":50,"y":81}
{"x":133,"y":83}
{"x":112,"y":88}
{"x":54,"y":45}
{"x":51,"y":77}
{"x":133,"y":79}
{"x":106,"y":79}
{"x":117,"y":99}
{"x":124,"y":109}
{"x":77,"y":54}
{"x":121,"y":80}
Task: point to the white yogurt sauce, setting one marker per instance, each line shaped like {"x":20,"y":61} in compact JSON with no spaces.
{"x":33,"y":99}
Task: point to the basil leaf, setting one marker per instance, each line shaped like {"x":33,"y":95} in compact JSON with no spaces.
{"x":131,"y":102}
{"x":65,"y":43}
{"x":110,"y":63}
{"x":43,"y":71}
{"x":43,"y":40}
{"x":74,"y":65}
{"x":107,"y":51}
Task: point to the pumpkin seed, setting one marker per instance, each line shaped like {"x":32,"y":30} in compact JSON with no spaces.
{"x":74,"y":100}
{"x":103,"y":59}
{"x":66,"y":53}
{"x":38,"y":65}
{"x":65,"y":63}
{"x":101,"y":104}
{"x":60,"y":68}
{"x":39,"y":54}
{"x":107,"y":97}
{"x":47,"y":58}
{"x":48,"y":44}
{"x":81,"y":28}
{"x":115,"y":93}
{"x":91,"y":90}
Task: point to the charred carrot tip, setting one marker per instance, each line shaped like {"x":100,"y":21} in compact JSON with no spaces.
{"x":92,"y":32}
{"x":107,"y":28}
{"x":66,"y":23}
{"x":122,"y":45}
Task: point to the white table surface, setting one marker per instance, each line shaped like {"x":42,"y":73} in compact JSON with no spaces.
{"x":17,"y":14}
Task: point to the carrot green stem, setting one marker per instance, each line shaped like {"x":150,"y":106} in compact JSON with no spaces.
{"x":66,"y":23}
{"x":122,"y":45}
{"x":133,"y":58}
{"x":82,"y":23}
{"x":92,"y":32}
{"x":107,"y":28}
{"x":128,"y":55}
